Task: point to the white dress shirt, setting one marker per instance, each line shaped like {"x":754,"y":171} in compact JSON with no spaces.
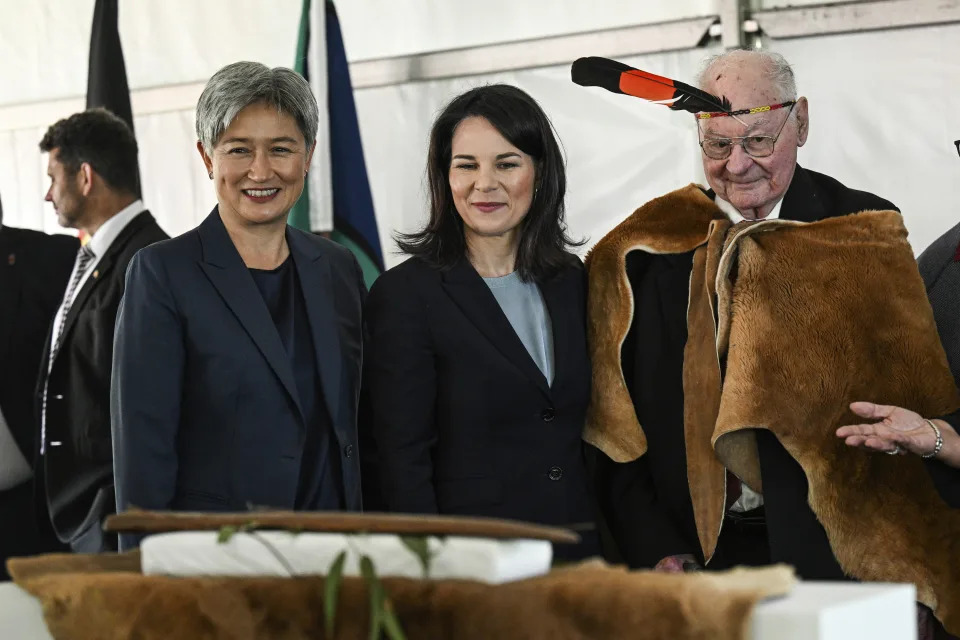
{"x":735,"y":216}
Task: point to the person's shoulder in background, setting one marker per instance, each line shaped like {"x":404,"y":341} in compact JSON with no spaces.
{"x":44,"y":259}
{"x":942,"y":252}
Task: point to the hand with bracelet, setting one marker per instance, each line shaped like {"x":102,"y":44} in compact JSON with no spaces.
{"x":901,"y":431}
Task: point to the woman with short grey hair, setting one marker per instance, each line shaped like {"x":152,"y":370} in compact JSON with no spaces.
{"x":241,"y":84}
{"x":236,"y":368}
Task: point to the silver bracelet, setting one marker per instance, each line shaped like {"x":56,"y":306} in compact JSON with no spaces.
{"x":938,"y":445}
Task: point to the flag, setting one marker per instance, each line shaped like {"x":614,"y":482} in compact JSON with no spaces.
{"x":107,"y":75}
{"x":338,"y":175}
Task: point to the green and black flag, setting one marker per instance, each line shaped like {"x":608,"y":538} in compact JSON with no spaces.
{"x":348,"y":190}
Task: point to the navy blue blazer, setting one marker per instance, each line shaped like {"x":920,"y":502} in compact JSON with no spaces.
{"x":205,"y":409}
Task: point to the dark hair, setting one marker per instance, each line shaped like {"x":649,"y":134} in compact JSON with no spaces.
{"x":102,"y":140}
{"x":519,"y":119}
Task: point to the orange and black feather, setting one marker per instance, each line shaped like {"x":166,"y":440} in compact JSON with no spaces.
{"x":620,"y":78}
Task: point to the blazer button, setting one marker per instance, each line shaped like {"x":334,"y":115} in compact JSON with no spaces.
{"x":548,"y":415}
{"x":59,"y":396}
{"x":555,"y":473}
{"x":348,"y":451}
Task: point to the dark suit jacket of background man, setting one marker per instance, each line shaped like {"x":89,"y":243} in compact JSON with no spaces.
{"x":34,"y":268}
{"x":215,"y":423}
{"x":78,"y":474}
{"x":647,"y":502}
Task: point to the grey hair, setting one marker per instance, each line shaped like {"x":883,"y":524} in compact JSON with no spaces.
{"x":779,"y":70}
{"x":238,"y":85}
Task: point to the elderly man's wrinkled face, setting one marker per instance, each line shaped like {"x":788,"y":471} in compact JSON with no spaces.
{"x":259,"y":165}
{"x":752,"y":185}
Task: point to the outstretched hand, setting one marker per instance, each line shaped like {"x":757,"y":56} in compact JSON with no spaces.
{"x":898,"y":430}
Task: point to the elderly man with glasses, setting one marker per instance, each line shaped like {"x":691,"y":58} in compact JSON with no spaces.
{"x":750,"y":161}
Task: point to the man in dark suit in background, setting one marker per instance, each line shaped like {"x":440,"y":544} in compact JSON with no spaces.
{"x":95,"y":188}
{"x":34,"y":268}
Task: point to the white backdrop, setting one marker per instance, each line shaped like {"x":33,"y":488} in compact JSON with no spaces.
{"x":882,"y":103}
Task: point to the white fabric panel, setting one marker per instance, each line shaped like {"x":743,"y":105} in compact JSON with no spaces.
{"x":883,"y":118}
{"x":183,"y":41}
{"x":169,"y":42}
{"x":405,"y":27}
{"x":23,"y":180}
{"x":319,"y":178}
{"x":176,"y":188}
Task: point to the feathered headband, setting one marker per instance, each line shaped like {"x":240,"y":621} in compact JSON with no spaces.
{"x":619,"y":78}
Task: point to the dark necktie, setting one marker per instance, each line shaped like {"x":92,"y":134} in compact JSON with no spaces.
{"x":84,"y":257}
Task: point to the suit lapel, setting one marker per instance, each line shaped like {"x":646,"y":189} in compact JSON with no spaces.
{"x":560,"y":296}
{"x":803,"y":201}
{"x":316,"y":285}
{"x":469,"y":292}
{"x":103,"y":266}
{"x":229,"y":275}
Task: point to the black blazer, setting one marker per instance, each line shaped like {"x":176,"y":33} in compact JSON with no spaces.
{"x":34,"y":268}
{"x":647,"y":502}
{"x":206,"y":415}
{"x":463,"y":419}
{"x":78,"y":474}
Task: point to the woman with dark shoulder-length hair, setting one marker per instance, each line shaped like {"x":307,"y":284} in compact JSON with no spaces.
{"x":477,"y":354}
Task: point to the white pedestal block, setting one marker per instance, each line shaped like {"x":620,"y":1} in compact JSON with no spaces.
{"x":839,"y":611}
{"x":21,"y":615}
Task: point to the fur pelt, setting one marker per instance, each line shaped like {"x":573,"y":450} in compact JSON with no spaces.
{"x":675,"y":223}
{"x":586,"y":601}
{"x":809,"y":317}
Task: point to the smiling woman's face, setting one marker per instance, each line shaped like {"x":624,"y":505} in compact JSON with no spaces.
{"x":259,"y":165}
{"x":491,"y":180}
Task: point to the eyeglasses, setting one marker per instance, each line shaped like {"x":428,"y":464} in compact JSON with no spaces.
{"x":753,"y":146}
{"x":956,"y":143}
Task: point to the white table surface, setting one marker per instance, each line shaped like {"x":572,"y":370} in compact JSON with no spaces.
{"x":21,"y":617}
{"x":812,"y":611}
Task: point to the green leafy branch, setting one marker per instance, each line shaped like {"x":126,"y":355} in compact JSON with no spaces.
{"x":383,"y":617}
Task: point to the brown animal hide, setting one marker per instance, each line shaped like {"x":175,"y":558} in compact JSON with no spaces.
{"x":587,"y":601}
{"x":675,"y":223}
{"x":817,"y":315}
